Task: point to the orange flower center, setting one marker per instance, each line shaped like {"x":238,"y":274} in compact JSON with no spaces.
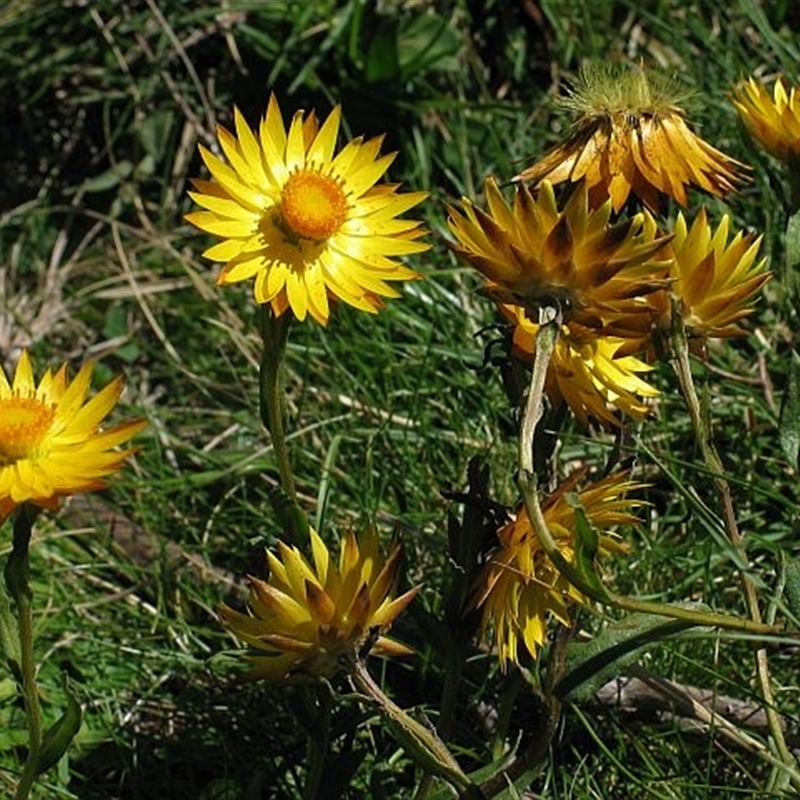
{"x":24,"y":423}
{"x":314,"y":206}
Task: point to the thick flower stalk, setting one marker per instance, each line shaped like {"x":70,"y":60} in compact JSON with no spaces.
{"x":599,"y":273}
{"x":52,"y":442}
{"x":520,"y":587}
{"x":316,"y":619}
{"x":715,"y":279}
{"x":596,"y":376}
{"x":773,"y":121}
{"x":307,"y":223}
{"x":631,"y":136}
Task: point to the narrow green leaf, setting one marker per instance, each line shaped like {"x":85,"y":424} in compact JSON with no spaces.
{"x":290,"y":516}
{"x":587,"y":543}
{"x":792,"y":587}
{"x":107,"y":180}
{"x":382,"y":64}
{"x":792,"y":273}
{"x":427,"y":42}
{"x":59,"y":735}
{"x":789,"y":423}
{"x":590,"y":664}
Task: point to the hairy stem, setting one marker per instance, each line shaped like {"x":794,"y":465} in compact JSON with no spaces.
{"x":683,"y":370}
{"x":17,"y":577}
{"x":274,"y":336}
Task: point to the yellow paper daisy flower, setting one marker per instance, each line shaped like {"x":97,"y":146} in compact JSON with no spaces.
{"x":772,"y":121}
{"x":51,"y":440}
{"x":315,"y":620}
{"x":631,"y":136}
{"x":519,"y":586}
{"x":594,"y":375}
{"x":716,"y":281}
{"x":306,"y":223}
{"x":534,"y":253}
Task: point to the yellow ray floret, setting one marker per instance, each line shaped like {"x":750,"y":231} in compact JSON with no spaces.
{"x":305,"y":223}
{"x":773,"y":121}
{"x":52,"y":442}
{"x":314,"y":618}
{"x":596,"y":376}
{"x":717,"y":281}
{"x":631,"y":136}
{"x":520,"y":587}
{"x":599,"y":273}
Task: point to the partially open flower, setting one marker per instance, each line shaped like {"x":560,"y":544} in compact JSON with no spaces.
{"x":631,"y":136}
{"x":51,"y":440}
{"x":772,"y":121}
{"x":315,"y":620}
{"x":593,"y":374}
{"x":306,"y":223}
{"x":716,"y":281}
{"x":598,"y":273}
{"x":520,"y":587}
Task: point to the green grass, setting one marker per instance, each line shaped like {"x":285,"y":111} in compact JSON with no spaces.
{"x":103,"y":105}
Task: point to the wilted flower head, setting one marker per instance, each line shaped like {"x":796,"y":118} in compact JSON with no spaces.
{"x":51,"y":440}
{"x":631,"y":135}
{"x":519,"y":586}
{"x":306,"y":223}
{"x":314,"y":620}
{"x":599,"y":273}
{"x":773,"y":121}
{"x":592,"y":374}
{"x":716,"y":281}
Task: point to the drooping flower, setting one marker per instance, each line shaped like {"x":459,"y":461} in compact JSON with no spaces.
{"x":716,"y":281}
{"x":631,"y":135}
{"x":599,"y":273}
{"x":519,"y":587}
{"x":51,"y":440}
{"x":307,"y":223}
{"x":772,"y":121}
{"x":314,"y":620}
{"x":592,"y":374}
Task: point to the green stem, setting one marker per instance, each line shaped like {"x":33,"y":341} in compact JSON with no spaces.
{"x":546,"y":339}
{"x":318,"y":700}
{"x":793,"y":171}
{"x":419,"y":741}
{"x":594,"y":589}
{"x":17,"y":577}
{"x":683,"y":370}
{"x":454,"y":659}
{"x":274,"y":336}
{"x":597,"y":592}
{"x":9,"y":637}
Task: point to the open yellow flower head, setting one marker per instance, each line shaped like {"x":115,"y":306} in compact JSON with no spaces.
{"x":716,"y":280}
{"x":631,"y":136}
{"x":594,"y":375}
{"x":51,"y":440}
{"x":772,"y":121}
{"x":520,"y":587}
{"x":315,"y":619}
{"x":305,"y":222}
{"x":533,"y":253}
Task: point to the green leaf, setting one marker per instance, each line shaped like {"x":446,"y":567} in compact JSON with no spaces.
{"x":792,"y":274}
{"x":589,"y":665}
{"x":290,"y":516}
{"x":59,"y":735}
{"x":427,"y":42}
{"x":789,"y":423}
{"x":109,"y":179}
{"x":587,"y":544}
{"x":382,"y":64}
{"x":791,"y":575}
